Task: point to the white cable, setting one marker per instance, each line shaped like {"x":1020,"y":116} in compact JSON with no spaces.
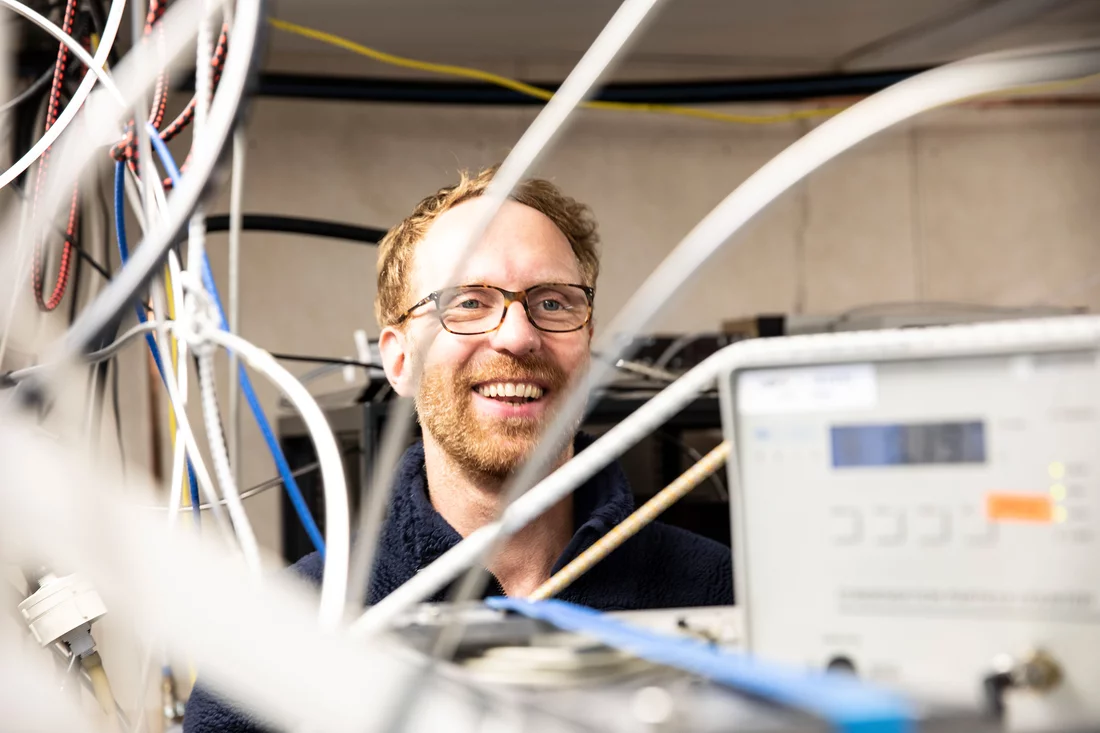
{"x":132,"y":78}
{"x":236,"y":197}
{"x":611,"y":41}
{"x":110,"y":30}
{"x":337,"y":527}
{"x":71,"y":43}
{"x":196,"y":227}
{"x":943,"y":341}
{"x":135,"y":73}
{"x":924,"y":91}
{"x":196,"y":250}
{"x":96,"y":356}
{"x":175,"y":488}
{"x":276,"y":664}
{"x":183,"y":427}
{"x":214,"y":435}
{"x":204,"y":76}
{"x":133,"y":195}
{"x":90,"y":427}
{"x":932,"y":89}
{"x":178,"y":403}
{"x":220,"y":456}
{"x":159,"y":196}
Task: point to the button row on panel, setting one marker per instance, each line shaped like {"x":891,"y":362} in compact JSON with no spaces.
{"x":932,"y":526}
{"x":929,"y":526}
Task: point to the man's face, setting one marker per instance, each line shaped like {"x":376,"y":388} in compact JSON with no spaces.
{"x":463,"y":400}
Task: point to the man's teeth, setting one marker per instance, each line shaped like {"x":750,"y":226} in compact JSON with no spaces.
{"x":510,"y":389}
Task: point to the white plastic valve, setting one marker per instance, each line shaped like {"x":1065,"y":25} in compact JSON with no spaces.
{"x":62,"y":606}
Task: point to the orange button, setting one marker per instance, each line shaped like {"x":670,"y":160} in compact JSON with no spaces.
{"x":1019,"y":508}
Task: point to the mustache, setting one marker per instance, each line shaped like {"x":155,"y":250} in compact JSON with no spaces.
{"x":514,"y":368}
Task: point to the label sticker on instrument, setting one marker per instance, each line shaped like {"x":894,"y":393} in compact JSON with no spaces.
{"x":807,"y":389}
{"x":1012,"y":507}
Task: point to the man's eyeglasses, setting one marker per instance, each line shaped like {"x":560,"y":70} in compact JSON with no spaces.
{"x":469,"y":310}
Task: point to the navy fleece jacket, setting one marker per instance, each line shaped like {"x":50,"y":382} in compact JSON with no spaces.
{"x":660,"y":567}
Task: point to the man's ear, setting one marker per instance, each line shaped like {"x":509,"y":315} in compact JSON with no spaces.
{"x":395,"y":347}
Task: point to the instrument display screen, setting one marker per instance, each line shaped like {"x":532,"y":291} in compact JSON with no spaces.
{"x":919,"y":444}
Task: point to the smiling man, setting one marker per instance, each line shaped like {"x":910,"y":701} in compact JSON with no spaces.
{"x":494,"y":337}
{"x":497,"y":336}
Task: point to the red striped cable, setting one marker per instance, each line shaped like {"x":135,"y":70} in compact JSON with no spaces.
{"x":217,"y":62}
{"x":52,"y":112}
{"x":160,"y":91}
{"x":62,"y":282}
{"x":126,"y":149}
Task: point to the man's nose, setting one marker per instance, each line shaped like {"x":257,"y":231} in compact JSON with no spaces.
{"x":516,"y":333}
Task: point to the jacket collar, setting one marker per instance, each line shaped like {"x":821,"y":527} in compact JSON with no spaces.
{"x":416,"y":534}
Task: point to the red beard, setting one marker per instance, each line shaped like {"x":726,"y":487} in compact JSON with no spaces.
{"x":476,"y":442}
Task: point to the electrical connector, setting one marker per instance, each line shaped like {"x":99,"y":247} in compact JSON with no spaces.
{"x":63,"y":609}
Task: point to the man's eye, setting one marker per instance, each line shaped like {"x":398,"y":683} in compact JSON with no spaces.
{"x":469,"y":304}
{"x":552,"y":306}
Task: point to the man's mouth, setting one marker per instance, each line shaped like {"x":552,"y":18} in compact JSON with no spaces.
{"x":513,"y":392}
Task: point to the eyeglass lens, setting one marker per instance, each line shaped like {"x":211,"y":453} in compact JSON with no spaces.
{"x":472,"y":310}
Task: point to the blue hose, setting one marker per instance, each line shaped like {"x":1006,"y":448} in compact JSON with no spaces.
{"x":293,"y":491}
{"x":124,"y":255}
{"x":848,"y":704}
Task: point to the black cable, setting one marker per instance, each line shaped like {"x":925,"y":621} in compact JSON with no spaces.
{"x":114,"y":362}
{"x":99,"y":18}
{"x":25,"y":95}
{"x":719,"y":91}
{"x":82,"y":255}
{"x":98,"y":15}
{"x":79,"y":250}
{"x":78,"y":268}
{"x":271,"y":483}
{"x":298,"y":225}
{"x":100,"y":401}
{"x":324,"y":360}
{"x":26,"y":122}
{"x":79,"y":26}
{"x":118,"y":416}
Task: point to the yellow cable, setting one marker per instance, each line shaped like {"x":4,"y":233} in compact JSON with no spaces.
{"x":185,"y":495}
{"x":538,"y":92}
{"x":1049,"y":86}
{"x":465,"y":72}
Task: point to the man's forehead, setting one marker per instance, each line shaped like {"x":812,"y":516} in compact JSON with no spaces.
{"x":521,"y":245}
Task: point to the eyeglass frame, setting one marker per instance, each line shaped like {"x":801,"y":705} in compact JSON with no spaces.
{"x":510,"y":296}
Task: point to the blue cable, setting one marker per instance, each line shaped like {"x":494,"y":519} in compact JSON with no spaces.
{"x":293,"y":491}
{"x":124,"y":255}
{"x":845,"y":702}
